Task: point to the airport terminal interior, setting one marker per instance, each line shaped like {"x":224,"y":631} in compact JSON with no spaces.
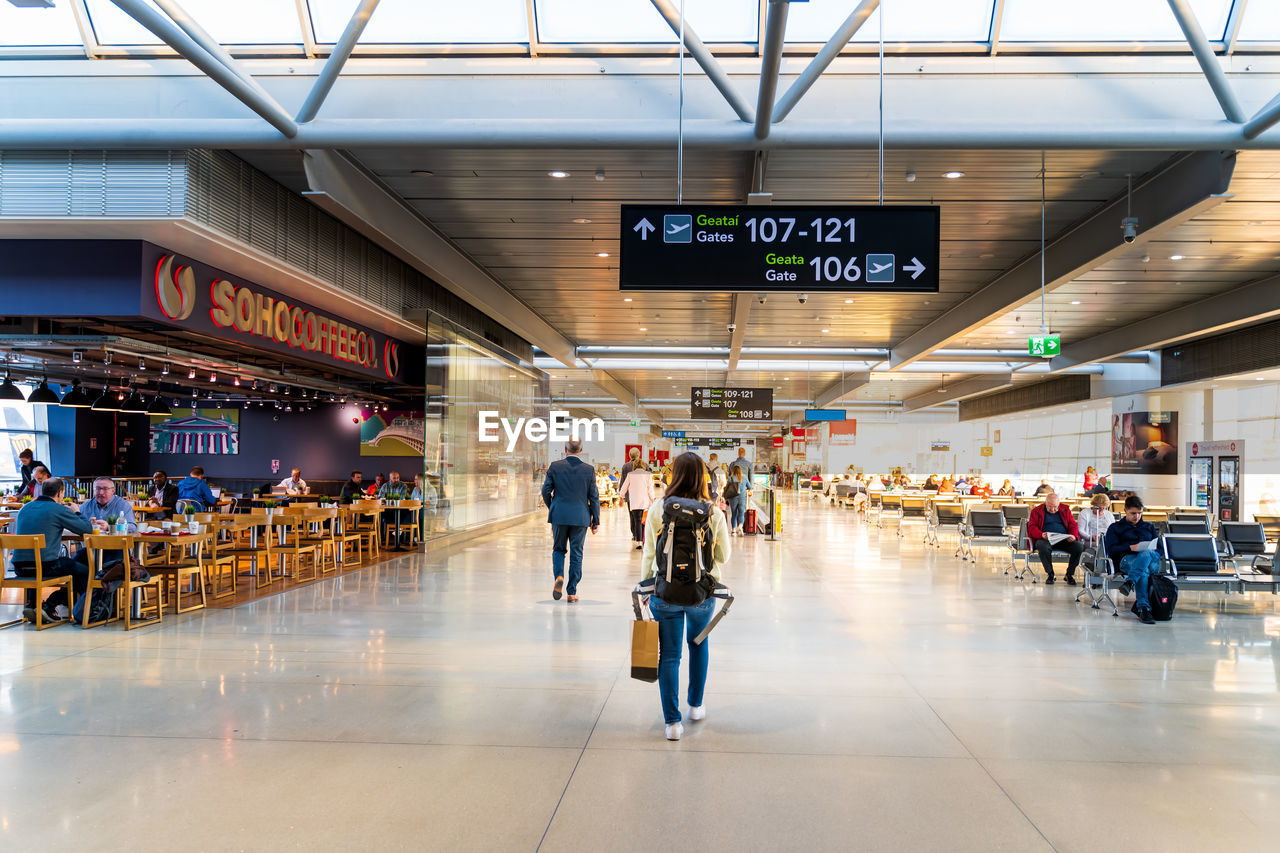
{"x":925,"y":355}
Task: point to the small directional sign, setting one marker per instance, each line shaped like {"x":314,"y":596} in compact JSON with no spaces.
{"x":1044,"y":346}
{"x":732,"y":248}
{"x":673,"y":433}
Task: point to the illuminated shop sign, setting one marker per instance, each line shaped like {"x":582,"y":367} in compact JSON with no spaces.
{"x":198,"y":297}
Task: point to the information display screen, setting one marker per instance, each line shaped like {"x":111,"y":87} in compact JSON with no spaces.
{"x":731,"y":404}
{"x":713,"y":442}
{"x":776,"y":248}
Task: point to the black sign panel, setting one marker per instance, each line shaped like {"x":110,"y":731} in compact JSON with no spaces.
{"x":713,"y":442}
{"x":772,"y":248}
{"x":731,"y":404}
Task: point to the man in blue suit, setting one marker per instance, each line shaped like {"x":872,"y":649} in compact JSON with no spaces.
{"x":573,"y":503}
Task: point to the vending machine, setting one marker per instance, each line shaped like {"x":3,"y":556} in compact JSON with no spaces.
{"x":1214,"y":477}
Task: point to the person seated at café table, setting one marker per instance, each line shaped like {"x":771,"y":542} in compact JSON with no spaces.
{"x":38,"y":475}
{"x":162,"y":493}
{"x":1102,"y":487}
{"x":947,"y":486}
{"x":1043,"y":489}
{"x":931,"y":484}
{"x":1055,"y":517}
{"x":99,"y":509}
{"x":353,"y":489}
{"x":1006,"y":489}
{"x":980,"y":487}
{"x":379,"y":480}
{"x":47,"y":514}
{"x":425,"y":492}
{"x":294,"y":484}
{"x":396,"y":490}
{"x":194,"y":488}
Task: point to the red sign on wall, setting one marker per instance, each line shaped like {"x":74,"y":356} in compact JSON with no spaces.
{"x":777,"y":441}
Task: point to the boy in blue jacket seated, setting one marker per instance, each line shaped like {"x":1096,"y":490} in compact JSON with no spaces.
{"x":1123,"y":544}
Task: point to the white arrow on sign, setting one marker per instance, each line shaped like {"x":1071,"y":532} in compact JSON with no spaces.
{"x":915,"y":268}
{"x":644,"y":226}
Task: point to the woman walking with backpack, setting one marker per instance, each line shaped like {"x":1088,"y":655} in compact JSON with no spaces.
{"x":674,"y":603}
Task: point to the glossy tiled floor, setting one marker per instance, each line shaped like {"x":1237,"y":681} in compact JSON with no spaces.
{"x":867,"y":693}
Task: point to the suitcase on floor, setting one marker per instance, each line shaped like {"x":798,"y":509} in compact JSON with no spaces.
{"x":749,"y":522}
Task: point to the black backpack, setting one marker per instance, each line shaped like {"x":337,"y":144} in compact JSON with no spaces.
{"x":685,"y":552}
{"x":1163,"y":595}
{"x":730,"y":489}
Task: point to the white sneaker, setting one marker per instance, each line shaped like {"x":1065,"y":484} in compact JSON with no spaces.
{"x":62,"y":612}
{"x":697,"y":712}
{"x":674,"y":731}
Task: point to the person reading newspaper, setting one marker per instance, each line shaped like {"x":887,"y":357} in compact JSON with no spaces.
{"x":1051,"y":527}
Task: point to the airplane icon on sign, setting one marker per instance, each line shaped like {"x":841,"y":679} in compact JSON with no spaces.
{"x":678,"y":228}
{"x":879,"y":268}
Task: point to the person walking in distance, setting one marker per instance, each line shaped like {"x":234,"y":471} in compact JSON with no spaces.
{"x":673,"y":604}
{"x":735,"y":492}
{"x":573,"y":505}
{"x":633,"y":457}
{"x":637,"y":489}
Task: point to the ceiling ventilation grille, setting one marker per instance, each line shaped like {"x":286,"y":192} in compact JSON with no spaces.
{"x":1054,"y":392}
{"x":1240,"y":351}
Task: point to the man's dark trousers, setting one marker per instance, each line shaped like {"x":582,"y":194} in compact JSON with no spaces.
{"x":1075,"y":548}
{"x":568,"y":537}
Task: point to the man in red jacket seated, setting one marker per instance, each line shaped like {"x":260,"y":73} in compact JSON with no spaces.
{"x":1051,"y":517}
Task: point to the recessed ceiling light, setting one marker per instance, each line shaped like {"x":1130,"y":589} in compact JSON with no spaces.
{"x":582,"y":221}
{"x":643,"y":329}
{"x":626,"y":299}
{"x":602,"y":254}
{"x":953,"y":174}
{"x":558,"y":174}
{"x":1175,"y":257}
{"x":1259,"y":378}
{"x":848,"y":302}
{"x":421,"y":173}
{"x":824,"y":331}
{"x":1075,"y":301}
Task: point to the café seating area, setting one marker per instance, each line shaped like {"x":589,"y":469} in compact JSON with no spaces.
{"x":214,"y":559}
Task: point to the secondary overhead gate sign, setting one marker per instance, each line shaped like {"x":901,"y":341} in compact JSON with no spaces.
{"x":734,"y":248}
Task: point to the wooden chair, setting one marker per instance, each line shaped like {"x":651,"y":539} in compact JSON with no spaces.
{"x":184,"y":563}
{"x":410,"y":527}
{"x":366,"y":521}
{"x":320,"y":530}
{"x":98,"y":545}
{"x":221,"y":566}
{"x":350,"y":540}
{"x":10,"y":542}
{"x":286,"y":541}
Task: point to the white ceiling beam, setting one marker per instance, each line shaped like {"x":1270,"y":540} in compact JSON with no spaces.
{"x":1208,"y":61}
{"x":1179,"y":192}
{"x":710,"y":66}
{"x":957,"y":391}
{"x":345,"y":191}
{"x":334,"y":64}
{"x":837,"y":391}
{"x":1243,"y":306}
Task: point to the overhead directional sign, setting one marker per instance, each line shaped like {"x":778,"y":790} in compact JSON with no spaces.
{"x":824,"y":414}
{"x":731,"y":404}
{"x":731,"y":248}
{"x":673,"y":433}
{"x":1044,"y":346}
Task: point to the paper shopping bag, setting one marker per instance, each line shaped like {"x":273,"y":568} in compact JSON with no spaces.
{"x":644,"y":650}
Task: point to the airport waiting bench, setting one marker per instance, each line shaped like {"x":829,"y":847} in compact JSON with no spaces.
{"x":982,"y":527}
{"x":945,"y":516}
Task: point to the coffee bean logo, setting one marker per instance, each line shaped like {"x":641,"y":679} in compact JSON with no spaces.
{"x":175,"y":289}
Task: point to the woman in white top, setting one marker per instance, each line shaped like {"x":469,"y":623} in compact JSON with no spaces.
{"x":1094,"y":520}
{"x":637,"y":491}
{"x":688,"y":480}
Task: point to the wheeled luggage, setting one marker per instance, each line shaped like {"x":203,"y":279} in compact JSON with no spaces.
{"x":749,"y":522}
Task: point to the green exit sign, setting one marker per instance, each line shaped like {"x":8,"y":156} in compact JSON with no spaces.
{"x":635,"y":422}
{"x":1044,"y":346}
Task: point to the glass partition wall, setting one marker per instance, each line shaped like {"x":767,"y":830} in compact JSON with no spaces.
{"x":479,"y":482}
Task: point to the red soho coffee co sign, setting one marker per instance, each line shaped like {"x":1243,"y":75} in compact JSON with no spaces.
{"x":201,"y":298}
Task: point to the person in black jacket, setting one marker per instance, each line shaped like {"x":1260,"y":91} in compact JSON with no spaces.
{"x":29,"y":466}
{"x":353,"y":489}
{"x":1123,"y":544}
{"x":162,"y":493}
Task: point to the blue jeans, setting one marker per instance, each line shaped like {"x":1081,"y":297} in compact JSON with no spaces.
{"x":1138,"y":567}
{"x":568,"y":537}
{"x":671,"y":619}
{"x":737,"y":509}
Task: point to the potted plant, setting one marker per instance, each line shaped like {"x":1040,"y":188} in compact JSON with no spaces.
{"x":271,"y":507}
{"x":83,"y":494}
{"x":26,"y":499}
{"x":190,"y":513}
